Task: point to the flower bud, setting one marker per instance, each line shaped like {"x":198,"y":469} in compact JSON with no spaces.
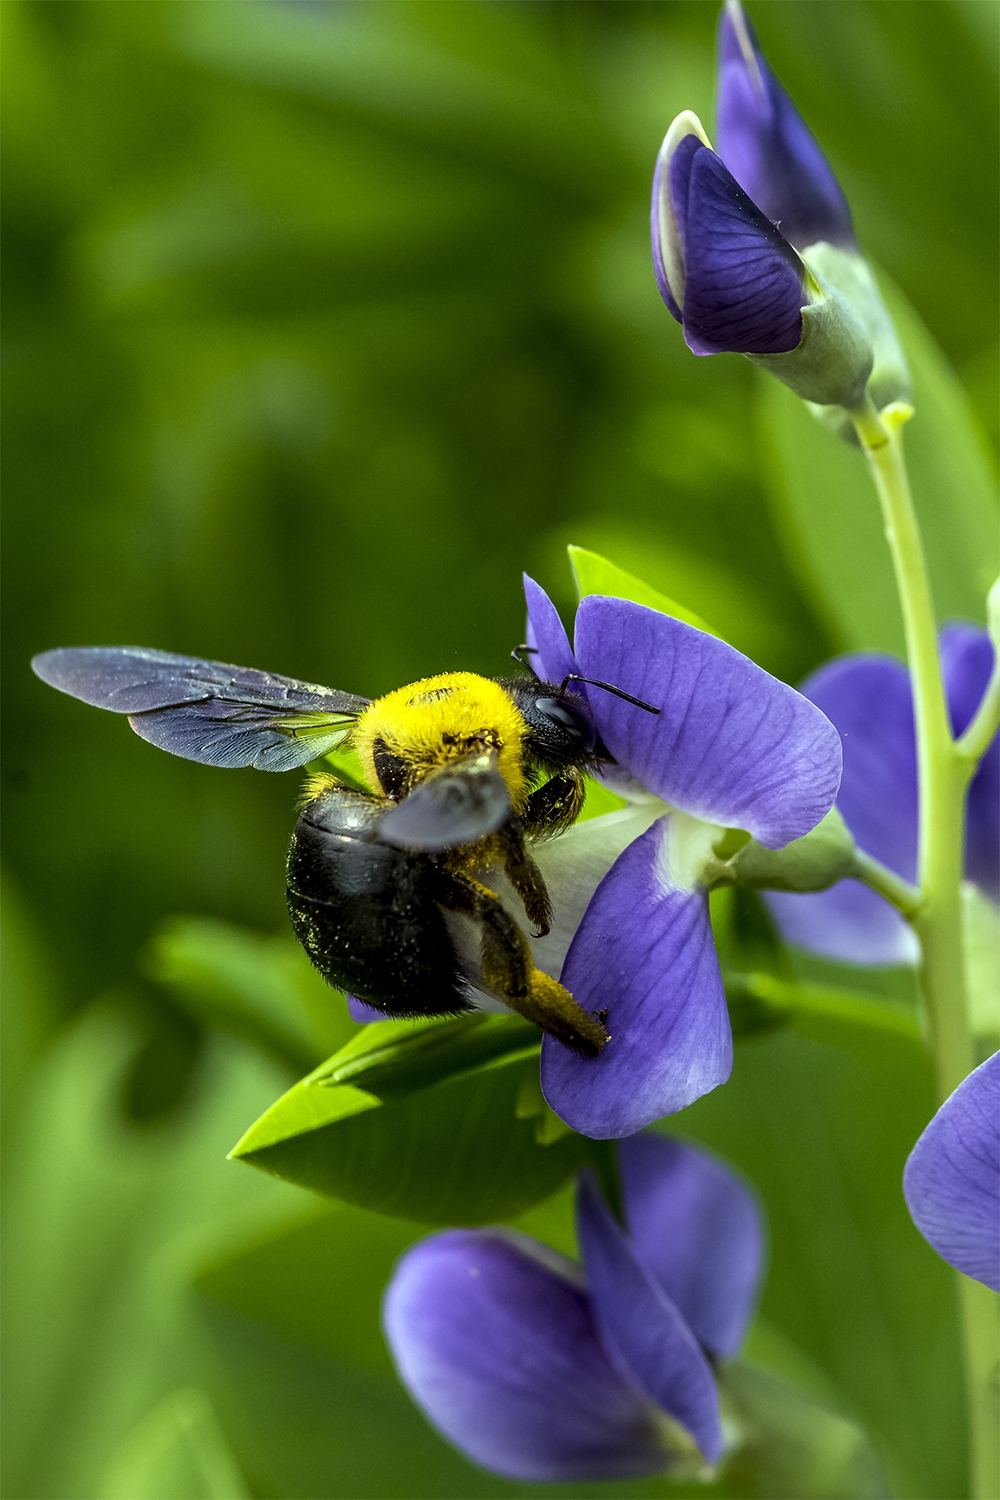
{"x":736,"y":284}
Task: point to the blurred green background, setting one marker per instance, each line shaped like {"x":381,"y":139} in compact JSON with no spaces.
{"x":322,"y":322}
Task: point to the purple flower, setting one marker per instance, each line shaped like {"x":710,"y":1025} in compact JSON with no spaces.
{"x":868,"y":698}
{"x":732,"y":748}
{"x":541,"y":1371}
{"x":768,"y":147}
{"x":754,"y":249}
{"x":952,"y":1178}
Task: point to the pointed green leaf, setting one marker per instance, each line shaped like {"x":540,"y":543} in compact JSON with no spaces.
{"x":594,"y":574}
{"x":424,"y":1121}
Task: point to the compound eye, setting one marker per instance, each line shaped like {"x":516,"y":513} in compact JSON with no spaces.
{"x":570,"y":722}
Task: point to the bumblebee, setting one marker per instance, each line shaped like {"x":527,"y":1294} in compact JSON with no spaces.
{"x":381,"y":884}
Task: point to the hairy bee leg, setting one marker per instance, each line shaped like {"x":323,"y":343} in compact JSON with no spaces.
{"x":555,"y":806}
{"x":526,"y":878}
{"x":508,"y":969}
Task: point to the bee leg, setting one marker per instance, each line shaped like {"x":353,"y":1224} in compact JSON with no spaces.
{"x":525,"y":876}
{"x":508,"y":969}
{"x":556,"y":805}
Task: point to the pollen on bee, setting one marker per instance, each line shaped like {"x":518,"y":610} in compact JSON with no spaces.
{"x":315,"y":784}
{"x":438,"y":719}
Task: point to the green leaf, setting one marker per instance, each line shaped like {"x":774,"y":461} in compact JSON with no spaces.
{"x":423,"y":1120}
{"x":261,"y":988}
{"x":594,"y":574}
{"x":177,"y":1452}
{"x":825,"y":506}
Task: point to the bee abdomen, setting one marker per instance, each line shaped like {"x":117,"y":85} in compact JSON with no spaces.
{"x":365,"y":912}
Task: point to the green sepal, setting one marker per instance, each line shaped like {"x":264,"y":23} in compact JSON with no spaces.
{"x":423,"y":1120}
{"x":832,"y":362}
{"x":813,"y":863}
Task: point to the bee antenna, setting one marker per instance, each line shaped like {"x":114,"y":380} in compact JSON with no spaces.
{"x":618,"y":692}
{"x":520,"y":652}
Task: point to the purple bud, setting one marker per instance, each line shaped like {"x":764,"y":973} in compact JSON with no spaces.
{"x":723,"y":269}
{"x":768,"y":147}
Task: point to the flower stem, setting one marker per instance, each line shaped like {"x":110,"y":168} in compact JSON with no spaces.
{"x":904,"y":896}
{"x":944,"y":772}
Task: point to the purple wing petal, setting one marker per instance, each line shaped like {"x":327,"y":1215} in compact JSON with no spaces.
{"x":364,"y":1013}
{"x":967,"y":661}
{"x":499,"y":1349}
{"x":744,"y":285}
{"x":698,"y":1228}
{"x":642,"y":1327}
{"x":644,"y":953}
{"x":555,"y":659}
{"x":849,"y":923}
{"x":868,"y":698}
{"x":767,"y":146}
{"x":952,"y":1179}
{"x":732,"y":745}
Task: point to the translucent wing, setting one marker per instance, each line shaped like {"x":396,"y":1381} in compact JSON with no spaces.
{"x":206,"y":710}
{"x":453,"y":807}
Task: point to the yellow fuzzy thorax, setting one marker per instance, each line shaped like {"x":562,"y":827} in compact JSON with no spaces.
{"x":446,"y":718}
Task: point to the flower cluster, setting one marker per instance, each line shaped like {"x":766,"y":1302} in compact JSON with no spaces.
{"x":542,"y":1371}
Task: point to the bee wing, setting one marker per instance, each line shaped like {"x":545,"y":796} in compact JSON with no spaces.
{"x":206,"y":710}
{"x":453,"y":807}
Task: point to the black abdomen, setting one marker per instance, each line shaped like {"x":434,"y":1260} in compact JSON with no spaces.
{"x":366,"y":913}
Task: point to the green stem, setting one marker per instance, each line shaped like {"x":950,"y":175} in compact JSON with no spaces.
{"x":904,"y":896}
{"x":943,"y":776}
{"x":944,"y":772}
{"x":979,"y":736}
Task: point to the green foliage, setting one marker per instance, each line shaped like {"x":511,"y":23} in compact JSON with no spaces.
{"x":435,"y":1122}
{"x":822,"y":499}
{"x":260,"y":988}
{"x":596,"y":575}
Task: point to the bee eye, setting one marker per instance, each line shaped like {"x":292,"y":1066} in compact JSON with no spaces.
{"x":572,"y":723}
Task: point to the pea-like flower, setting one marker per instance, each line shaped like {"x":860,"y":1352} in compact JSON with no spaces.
{"x":732,"y":748}
{"x":540,"y":1370}
{"x":754,"y":248}
{"x":868,"y":698}
{"x":952,"y":1178}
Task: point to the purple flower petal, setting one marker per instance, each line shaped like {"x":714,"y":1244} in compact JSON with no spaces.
{"x":868,"y":698}
{"x":767,"y":146}
{"x":642,"y":1327}
{"x":849,"y":923}
{"x":498,"y":1346}
{"x":967,"y":662}
{"x":555,"y":659}
{"x":732,"y":745}
{"x":364,"y":1013}
{"x":744,"y":286}
{"x":699,"y":1230}
{"x":644,"y":953}
{"x":952,"y":1178}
